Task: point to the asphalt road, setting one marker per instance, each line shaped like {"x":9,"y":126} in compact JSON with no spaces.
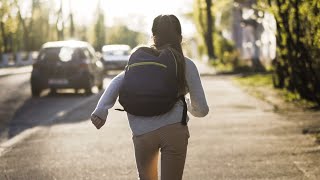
{"x":20,"y":111}
{"x":14,"y":91}
{"x":241,"y":138}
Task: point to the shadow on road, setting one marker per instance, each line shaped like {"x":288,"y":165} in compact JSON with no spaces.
{"x":38,"y":111}
{"x":51,"y":108}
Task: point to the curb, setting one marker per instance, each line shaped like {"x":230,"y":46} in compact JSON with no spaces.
{"x":8,"y":145}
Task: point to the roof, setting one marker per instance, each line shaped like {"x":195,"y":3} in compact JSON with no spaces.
{"x":68,"y":43}
{"x":112,"y":47}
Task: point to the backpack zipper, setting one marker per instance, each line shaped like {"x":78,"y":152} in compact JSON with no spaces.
{"x":146,"y":63}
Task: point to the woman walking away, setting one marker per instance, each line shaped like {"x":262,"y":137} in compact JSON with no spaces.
{"x":151,"y":91}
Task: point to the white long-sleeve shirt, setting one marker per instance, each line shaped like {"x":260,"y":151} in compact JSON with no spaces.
{"x":197,"y":104}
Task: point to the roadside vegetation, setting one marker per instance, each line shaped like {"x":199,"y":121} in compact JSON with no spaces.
{"x":295,"y":69}
{"x":261,"y":86}
{"x":291,"y":80}
{"x":43,"y":22}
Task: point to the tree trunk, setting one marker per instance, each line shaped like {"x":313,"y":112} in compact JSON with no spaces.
{"x":60,"y":27}
{"x":279,"y":64}
{"x":210,"y":29}
{"x":4,"y":38}
{"x":72,"y":28}
{"x":26,"y":28}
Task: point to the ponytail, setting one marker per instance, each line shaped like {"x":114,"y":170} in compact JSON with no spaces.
{"x":166,"y":30}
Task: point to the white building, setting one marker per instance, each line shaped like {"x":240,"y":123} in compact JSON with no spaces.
{"x":254,"y":33}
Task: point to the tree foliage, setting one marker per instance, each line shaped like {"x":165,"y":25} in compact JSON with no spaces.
{"x":121,"y":34}
{"x":297,"y":66}
{"x":20,"y":32}
{"x":100,"y":30}
{"x":26,"y":24}
{"x":8,"y":26}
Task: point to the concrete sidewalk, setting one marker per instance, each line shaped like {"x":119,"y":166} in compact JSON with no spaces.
{"x":6,"y":71}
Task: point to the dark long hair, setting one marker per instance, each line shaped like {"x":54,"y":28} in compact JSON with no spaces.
{"x":166,"y":31}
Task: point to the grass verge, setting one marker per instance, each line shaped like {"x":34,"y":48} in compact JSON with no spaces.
{"x":260,"y":85}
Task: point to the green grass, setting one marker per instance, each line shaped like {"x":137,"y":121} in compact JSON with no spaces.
{"x":260,"y":86}
{"x":256,"y":80}
{"x":220,"y":67}
{"x":229,"y":68}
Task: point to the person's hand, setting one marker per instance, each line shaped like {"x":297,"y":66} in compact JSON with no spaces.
{"x":188,"y":102}
{"x":97,"y":122}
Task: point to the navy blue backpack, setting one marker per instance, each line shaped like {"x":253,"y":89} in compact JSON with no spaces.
{"x":150,"y":85}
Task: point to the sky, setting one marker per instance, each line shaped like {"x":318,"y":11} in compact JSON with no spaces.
{"x":136,"y":14}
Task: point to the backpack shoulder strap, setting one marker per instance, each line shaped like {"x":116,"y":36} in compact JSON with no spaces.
{"x":175,"y":61}
{"x":185,"y":109}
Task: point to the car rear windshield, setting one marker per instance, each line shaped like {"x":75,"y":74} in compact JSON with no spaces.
{"x":64,"y":54}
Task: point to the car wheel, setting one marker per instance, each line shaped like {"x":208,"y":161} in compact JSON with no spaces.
{"x":53,"y":91}
{"x":88,"y":89}
{"x":35,"y":91}
{"x":100,"y":85}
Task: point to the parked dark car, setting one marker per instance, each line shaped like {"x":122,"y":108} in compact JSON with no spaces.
{"x":115,"y":56}
{"x":66,"y":64}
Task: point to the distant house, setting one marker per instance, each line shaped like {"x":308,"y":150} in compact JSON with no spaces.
{"x":253,"y":32}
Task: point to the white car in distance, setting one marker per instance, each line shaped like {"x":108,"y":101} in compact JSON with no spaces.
{"x":115,"y":56}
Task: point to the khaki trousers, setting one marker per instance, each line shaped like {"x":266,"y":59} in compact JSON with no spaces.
{"x":172,"y":141}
